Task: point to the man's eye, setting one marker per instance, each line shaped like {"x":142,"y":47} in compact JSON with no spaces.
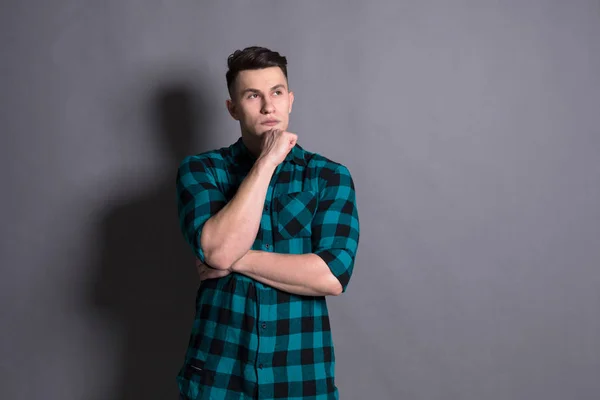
{"x":252,"y":95}
{"x":278,"y":92}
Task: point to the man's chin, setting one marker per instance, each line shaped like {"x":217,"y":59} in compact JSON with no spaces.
{"x":260,"y":131}
{"x":267,"y":128}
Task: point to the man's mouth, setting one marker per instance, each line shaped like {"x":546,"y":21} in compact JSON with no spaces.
{"x":270,"y":122}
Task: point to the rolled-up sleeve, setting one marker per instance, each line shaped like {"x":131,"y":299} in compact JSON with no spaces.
{"x":335,"y":226}
{"x":198,"y":199}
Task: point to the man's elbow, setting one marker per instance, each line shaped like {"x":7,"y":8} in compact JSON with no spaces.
{"x":221,"y":257}
{"x":329,"y":283}
{"x":216,"y":256}
{"x":217,"y":261}
{"x":334,"y":288}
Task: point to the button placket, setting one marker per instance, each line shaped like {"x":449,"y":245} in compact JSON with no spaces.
{"x":269,"y":208}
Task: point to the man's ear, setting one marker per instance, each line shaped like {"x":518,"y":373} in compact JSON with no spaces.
{"x":291,"y":94}
{"x":231,"y":107}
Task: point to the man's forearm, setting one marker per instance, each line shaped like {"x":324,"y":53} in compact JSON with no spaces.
{"x":302,"y":274}
{"x":229,"y":234}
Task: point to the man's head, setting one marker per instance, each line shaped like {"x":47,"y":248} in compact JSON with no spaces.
{"x":259,"y":94}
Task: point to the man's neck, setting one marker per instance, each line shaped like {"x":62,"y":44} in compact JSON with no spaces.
{"x":253,"y":144}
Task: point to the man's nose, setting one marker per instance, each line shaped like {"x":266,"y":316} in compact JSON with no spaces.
{"x":268,"y":106}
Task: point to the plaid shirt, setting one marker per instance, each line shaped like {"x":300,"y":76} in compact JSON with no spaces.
{"x":250,"y":340}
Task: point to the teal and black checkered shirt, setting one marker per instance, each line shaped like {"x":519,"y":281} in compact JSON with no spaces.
{"x":250,"y":340}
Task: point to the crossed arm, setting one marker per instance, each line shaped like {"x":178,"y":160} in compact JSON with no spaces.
{"x":222,"y":233}
{"x":304,"y":274}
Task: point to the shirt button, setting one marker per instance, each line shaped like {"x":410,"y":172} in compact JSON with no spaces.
{"x":267,"y":246}
{"x":266,"y":208}
{"x":260,"y":366}
{"x":264,"y":325}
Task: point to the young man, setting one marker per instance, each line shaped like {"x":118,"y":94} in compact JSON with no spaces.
{"x":275,"y":229}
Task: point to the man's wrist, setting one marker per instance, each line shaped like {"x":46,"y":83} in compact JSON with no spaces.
{"x":264,"y":165}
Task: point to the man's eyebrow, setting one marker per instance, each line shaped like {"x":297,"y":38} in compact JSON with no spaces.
{"x":278,"y":86}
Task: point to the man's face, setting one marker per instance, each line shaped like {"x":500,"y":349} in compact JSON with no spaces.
{"x":261,"y":101}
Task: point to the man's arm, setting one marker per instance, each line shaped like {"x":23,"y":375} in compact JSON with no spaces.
{"x":221,"y":232}
{"x":335,"y":236}
{"x":230,"y":233}
{"x":303,"y":274}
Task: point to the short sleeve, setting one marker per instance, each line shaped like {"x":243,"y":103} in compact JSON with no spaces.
{"x":335,"y":226}
{"x":198,"y":199}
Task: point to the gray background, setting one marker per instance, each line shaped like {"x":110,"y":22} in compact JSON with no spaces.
{"x":471,"y":129}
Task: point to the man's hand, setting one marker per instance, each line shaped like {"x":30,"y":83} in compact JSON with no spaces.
{"x":206,"y":272}
{"x":276,"y":144}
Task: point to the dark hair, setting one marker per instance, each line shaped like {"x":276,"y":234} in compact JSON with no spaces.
{"x":253,"y":57}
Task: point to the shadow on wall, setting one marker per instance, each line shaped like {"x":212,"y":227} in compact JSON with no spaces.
{"x":147,"y":281}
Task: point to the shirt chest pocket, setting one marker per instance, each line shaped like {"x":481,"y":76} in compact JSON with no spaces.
{"x":294,"y":213}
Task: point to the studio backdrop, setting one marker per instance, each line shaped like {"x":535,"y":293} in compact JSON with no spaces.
{"x":471,"y":129}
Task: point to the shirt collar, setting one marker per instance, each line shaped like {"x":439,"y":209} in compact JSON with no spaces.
{"x":296,"y":155}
